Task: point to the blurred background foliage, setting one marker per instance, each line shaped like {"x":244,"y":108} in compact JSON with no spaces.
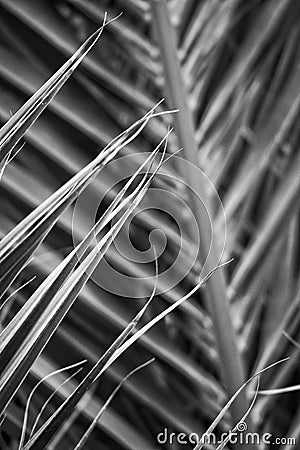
{"x":240,"y":62}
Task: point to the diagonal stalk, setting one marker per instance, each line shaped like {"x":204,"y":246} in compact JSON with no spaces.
{"x":217,"y":303}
